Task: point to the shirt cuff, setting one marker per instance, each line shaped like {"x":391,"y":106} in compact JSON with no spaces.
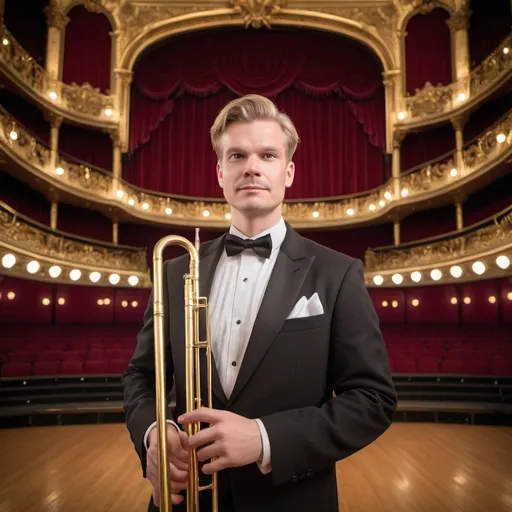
{"x":264,"y":464}
{"x":151,"y":427}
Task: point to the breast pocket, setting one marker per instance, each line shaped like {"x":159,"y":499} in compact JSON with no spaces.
{"x":304,"y":323}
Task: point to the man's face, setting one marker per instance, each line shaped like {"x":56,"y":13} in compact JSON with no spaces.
{"x":253,"y":169}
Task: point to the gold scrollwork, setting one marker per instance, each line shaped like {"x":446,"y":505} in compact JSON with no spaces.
{"x":257,"y":13}
{"x":23,"y":235}
{"x":451,"y":248}
{"x":430,"y":100}
{"x":85,"y":99}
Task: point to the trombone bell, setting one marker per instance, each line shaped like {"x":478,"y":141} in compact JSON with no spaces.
{"x":193,"y":306}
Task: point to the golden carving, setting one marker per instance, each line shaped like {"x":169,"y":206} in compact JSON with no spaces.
{"x":459,"y":20}
{"x":429,"y":100}
{"x":94,"y":5}
{"x":257,"y":13}
{"x":85,"y":99}
{"x":54,"y":15}
{"x":495,"y":234}
{"x":28,"y":236}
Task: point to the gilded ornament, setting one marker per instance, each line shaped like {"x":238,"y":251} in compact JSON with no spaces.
{"x":430,"y":100}
{"x":85,"y":99}
{"x":258,"y":13}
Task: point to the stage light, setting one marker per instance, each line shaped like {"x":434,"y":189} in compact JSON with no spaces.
{"x":106,"y":301}
{"x":33,"y":267}
{"x":61,"y":301}
{"x":405,"y":192}
{"x":53,"y":95}
{"x":436,"y":274}
{"x":8,"y":260}
{"x":415,"y":302}
{"x":46,"y":301}
{"x":453,"y":172}
{"x":384,"y":303}
{"x":94,"y":277}
{"x":206,"y":213}
{"x":461,"y":96}
{"x":5,"y":41}
{"x":227,"y":216}
{"x":454,"y":300}
{"x":114,"y":279}
{"x":492,"y":299}
{"x":372,"y":207}
{"x":133,"y":280}
{"x":397,"y":278}
{"x":11,"y":295}
{"x":416,"y":276}
{"x":55,"y":271}
{"x":131,"y":202}
{"x":119,"y":193}
{"x":505,"y":50}
{"x":134,"y":303}
{"x":124,"y":303}
{"x":467,"y":300}
{"x":382,"y":203}
{"x":108,"y":112}
{"x":145,"y":206}
{"x":13,"y":135}
{"x":168,"y":211}
{"x":388,"y":195}
{"x":400,"y":116}
{"x":75,"y":274}
{"x":59,"y":171}
{"x":350,"y":211}
{"x":378,"y":280}
{"x":100,"y":302}
{"x":509,"y":295}
{"x":456,"y":271}
{"x":503,"y":262}
{"x":478,"y":268}
{"x":501,"y":138}
{"x":394,"y":304}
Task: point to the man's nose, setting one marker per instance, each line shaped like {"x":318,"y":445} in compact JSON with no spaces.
{"x":252,"y":166}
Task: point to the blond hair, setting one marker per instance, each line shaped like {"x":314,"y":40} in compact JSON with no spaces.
{"x":247,"y":109}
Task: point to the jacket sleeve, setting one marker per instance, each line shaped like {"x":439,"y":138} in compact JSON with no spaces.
{"x":139,"y":381}
{"x":364,"y":399}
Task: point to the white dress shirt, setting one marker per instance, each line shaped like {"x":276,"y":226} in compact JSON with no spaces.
{"x":237,"y":291}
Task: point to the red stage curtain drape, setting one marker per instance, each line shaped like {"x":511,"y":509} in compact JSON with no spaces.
{"x":87,"y":49}
{"x":331,"y":87}
{"x":428,"y":55}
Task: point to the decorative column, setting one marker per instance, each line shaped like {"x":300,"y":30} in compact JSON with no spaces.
{"x":122,"y":104}
{"x":459,"y":23}
{"x":390,"y":81}
{"x":396,"y":232}
{"x":459,"y":215}
{"x":55,"y":123}
{"x":116,"y":160}
{"x":398,"y":137}
{"x":115,"y":231}
{"x":458,"y":125}
{"x":54,"y":214}
{"x":56,"y":21}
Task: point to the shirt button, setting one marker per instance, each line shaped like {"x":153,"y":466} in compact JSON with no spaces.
{"x":239,"y":322}
{"x":245,"y":279}
{"x":233,"y":363}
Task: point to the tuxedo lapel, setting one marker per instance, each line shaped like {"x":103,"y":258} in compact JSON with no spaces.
{"x":208,"y":260}
{"x":282,"y":291}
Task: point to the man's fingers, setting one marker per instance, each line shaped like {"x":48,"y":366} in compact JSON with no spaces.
{"x":176,"y":474}
{"x":203,"y":415}
{"x":205,"y":436}
{"x":216,"y":465}
{"x":207,"y":452}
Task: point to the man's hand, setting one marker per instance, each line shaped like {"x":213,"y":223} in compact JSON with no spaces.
{"x":234,"y":440}
{"x":177,"y":454}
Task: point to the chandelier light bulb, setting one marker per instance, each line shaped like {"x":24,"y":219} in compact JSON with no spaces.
{"x":8,"y":260}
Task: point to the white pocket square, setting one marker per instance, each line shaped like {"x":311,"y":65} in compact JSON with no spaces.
{"x":305,"y":307}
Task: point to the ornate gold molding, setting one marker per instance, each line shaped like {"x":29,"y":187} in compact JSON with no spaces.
{"x":434,"y":104}
{"x":29,"y":240}
{"x":82,"y":104}
{"x":257,"y":13}
{"x":434,"y":181}
{"x":483,"y":242}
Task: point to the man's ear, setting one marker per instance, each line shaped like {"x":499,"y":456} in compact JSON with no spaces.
{"x":290,"y":174}
{"x":220,"y":175}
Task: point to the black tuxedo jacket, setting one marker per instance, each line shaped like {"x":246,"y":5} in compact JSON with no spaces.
{"x":321,"y":385}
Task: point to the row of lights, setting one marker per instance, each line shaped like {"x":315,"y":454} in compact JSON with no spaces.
{"x":454,"y":300}
{"x":33,"y":266}
{"x":45,"y":301}
{"x":436,"y":274}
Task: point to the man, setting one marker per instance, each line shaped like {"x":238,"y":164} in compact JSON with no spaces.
{"x":301,"y":376}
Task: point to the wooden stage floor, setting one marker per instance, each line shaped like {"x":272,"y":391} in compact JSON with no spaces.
{"x":413,"y":468}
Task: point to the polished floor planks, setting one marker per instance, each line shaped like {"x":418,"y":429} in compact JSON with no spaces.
{"x":412,"y":467}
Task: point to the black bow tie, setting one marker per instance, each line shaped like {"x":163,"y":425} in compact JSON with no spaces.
{"x":262,"y":246}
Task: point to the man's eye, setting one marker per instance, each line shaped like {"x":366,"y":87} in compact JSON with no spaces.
{"x":236,"y":156}
{"x":269,"y":155}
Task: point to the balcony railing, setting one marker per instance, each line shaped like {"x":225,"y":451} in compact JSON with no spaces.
{"x":70,"y":256}
{"x":481,"y":250}
{"x":81,"y":103}
{"x":100,"y":188}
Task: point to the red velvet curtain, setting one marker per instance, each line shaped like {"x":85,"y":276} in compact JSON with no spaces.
{"x":330,"y":86}
{"x":87,"y":49}
{"x":428,"y":55}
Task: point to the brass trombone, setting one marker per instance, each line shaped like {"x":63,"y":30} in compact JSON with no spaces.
{"x":193,"y":306}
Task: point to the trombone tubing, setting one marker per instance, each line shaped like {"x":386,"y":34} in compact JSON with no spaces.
{"x":191,"y":295}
